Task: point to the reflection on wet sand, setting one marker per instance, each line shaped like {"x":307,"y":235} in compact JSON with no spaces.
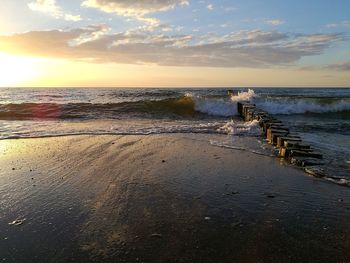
{"x":164,"y":198}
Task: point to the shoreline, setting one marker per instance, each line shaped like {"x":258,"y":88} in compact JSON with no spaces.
{"x":163,"y":198}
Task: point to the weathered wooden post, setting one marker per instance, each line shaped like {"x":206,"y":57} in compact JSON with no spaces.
{"x":290,"y":145}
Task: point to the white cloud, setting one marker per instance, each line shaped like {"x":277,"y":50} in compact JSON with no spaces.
{"x":134,"y":7}
{"x":137,"y":9}
{"x":51,"y":8}
{"x":46,"y":6}
{"x":210,"y":7}
{"x":332,"y":25}
{"x":345,"y":23}
{"x":274,"y":22}
{"x":74,"y":18}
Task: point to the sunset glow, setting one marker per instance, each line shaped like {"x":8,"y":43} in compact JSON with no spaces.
{"x":17,"y":70}
{"x":173,"y":43}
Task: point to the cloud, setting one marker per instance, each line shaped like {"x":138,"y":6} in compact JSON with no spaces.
{"x":246,"y":38}
{"x":74,"y":18}
{"x":341,"y":66}
{"x":274,"y":22}
{"x":252,"y":49}
{"x":46,"y":6}
{"x":137,"y":9}
{"x":134,"y":7}
{"x":51,"y":8}
{"x":210,"y":7}
{"x":345,"y":23}
{"x":230,"y":9}
{"x":332,"y":25}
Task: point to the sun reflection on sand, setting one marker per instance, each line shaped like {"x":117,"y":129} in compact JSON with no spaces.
{"x":9,"y":147}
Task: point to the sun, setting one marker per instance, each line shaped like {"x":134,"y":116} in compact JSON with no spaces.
{"x":17,"y":70}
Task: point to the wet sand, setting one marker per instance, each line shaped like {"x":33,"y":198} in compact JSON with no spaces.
{"x":163,"y":198}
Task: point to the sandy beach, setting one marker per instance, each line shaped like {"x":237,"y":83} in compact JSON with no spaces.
{"x":163,"y":198}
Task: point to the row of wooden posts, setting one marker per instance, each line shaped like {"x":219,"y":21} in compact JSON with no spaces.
{"x":290,"y":146}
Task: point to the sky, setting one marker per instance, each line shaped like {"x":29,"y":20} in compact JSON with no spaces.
{"x":174,"y":43}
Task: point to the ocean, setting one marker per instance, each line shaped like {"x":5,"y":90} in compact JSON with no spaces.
{"x":320,"y":115}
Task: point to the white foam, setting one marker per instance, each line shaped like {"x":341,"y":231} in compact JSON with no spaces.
{"x":281,"y":106}
{"x":248,"y":128}
{"x":340,"y":181}
{"x":225,"y":108}
{"x":244,"y":96}
{"x":221,"y":107}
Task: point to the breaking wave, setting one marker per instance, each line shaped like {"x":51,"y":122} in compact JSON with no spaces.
{"x":224,"y":107}
{"x":187,"y":105}
{"x":184,"y":106}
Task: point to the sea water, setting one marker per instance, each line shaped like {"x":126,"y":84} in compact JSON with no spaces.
{"x":320,"y":115}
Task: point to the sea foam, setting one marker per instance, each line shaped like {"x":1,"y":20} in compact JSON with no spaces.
{"x":220,"y":107}
{"x":248,"y":128}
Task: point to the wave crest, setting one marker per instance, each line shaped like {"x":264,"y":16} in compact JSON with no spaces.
{"x":224,"y":107}
{"x":244,"y":96}
{"x":185,"y":106}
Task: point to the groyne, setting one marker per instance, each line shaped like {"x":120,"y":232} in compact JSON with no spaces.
{"x":289,"y":146}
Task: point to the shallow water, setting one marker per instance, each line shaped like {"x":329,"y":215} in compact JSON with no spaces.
{"x":321,"y":116}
